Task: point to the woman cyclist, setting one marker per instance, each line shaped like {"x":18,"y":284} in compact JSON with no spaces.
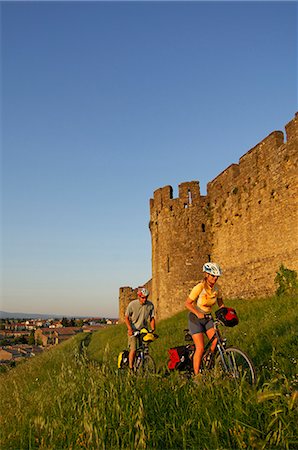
{"x":200,"y":302}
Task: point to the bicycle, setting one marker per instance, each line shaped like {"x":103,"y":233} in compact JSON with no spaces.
{"x":227,"y":362}
{"x":143,"y":363}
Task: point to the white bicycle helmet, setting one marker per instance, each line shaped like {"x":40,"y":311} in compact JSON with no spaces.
{"x":212,"y":269}
{"x":143,"y":292}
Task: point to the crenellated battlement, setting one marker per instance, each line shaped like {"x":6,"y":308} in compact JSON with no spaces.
{"x":189,"y":193}
{"x":252,"y":164}
{"x":247,"y":223}
{"x":163,"y":201}
{"x":292,"y":129}
{"x":162,"y":197}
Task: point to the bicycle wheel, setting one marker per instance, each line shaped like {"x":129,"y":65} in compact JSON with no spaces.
{"x":148,"y":365}
{"x":236,"y":365}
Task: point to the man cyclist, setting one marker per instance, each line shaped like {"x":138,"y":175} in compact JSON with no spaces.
{"x":137,"y":315}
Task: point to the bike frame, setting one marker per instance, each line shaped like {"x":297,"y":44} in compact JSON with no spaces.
{"x":220,"y":345}
{"x":142,"y":349}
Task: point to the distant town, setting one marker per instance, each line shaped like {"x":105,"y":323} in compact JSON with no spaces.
{"x":25,"y":338}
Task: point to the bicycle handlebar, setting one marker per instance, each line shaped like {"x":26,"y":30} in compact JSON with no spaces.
{"x":137,"y":332}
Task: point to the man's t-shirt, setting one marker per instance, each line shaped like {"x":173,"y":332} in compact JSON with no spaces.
{"x":139,"y":314}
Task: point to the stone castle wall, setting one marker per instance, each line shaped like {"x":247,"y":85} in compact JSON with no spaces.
{"x":255,"y":216}
{"x":247,"y":222}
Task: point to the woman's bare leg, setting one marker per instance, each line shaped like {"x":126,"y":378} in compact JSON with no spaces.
{"x":198,"y":339}
{"x":210,"y":334}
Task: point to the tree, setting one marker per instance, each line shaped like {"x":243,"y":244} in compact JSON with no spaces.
{"x":65,"y":322}
{"x":31,"y":338}
{"x":286,"y":280}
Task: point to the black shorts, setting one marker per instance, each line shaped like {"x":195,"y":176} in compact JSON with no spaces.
{"x":197,"y":325}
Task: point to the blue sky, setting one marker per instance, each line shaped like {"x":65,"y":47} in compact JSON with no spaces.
{"x":104,"y":102}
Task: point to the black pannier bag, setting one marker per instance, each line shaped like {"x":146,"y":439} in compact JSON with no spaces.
{"x":227,"y":316}
{"x":123,"y":359}
{"x":179,"y":358}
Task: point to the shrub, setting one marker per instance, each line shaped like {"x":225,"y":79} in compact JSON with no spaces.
{"x":286,"y":280}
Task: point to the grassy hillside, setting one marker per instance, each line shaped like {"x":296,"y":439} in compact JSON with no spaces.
{"x":72,"y":396}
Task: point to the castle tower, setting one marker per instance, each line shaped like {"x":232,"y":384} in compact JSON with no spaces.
{"x":180,"y":235}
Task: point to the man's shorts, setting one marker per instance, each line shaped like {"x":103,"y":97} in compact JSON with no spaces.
{"x":197,"y":325}
{"x":132,"y":343}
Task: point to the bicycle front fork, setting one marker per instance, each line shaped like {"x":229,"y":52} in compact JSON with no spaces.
{"x":221,"y":352}
{"x":139,"y":360}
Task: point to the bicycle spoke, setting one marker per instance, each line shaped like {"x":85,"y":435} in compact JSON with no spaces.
{"x":236,"y":365}
{"x":148,"y":366}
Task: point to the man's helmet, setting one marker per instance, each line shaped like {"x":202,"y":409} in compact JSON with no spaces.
{"x":143,"y":292}
{"x":212,"y":268}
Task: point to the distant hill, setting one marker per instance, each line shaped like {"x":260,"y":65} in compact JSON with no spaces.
{"x":20,"y":315}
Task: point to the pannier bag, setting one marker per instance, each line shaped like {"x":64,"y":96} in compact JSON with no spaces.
{"x":179,"y":358}
{"x":227,"y":316}
{"x":123,"y":359}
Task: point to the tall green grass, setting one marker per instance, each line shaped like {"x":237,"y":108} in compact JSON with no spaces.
{"x":73,"y":397}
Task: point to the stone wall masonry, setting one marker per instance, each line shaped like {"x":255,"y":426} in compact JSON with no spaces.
{"x":248,"y":223}
{"x":254,"y":216}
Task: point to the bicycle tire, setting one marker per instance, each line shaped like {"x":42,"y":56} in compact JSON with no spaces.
{"x":148,"y":365}
{"x":237,"y":365}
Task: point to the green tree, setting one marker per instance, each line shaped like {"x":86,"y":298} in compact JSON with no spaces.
{"x":65,"y":322}
{"x":72,"y":323}
{"x":20,"y":340}
{"x":286,"y":280}
{"x":31,"y":338}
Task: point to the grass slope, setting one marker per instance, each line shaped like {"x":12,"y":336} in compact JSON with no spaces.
{"x":72,"y":396}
